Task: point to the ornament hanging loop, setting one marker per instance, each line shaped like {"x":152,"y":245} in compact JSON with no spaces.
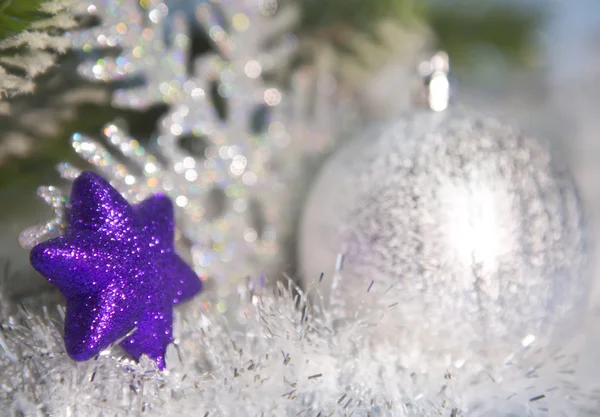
{"x":434,"y":72}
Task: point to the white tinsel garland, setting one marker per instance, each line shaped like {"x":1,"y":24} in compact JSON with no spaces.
{"x":279,"y":356}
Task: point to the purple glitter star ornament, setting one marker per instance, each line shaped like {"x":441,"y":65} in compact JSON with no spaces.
{"x":117,"y":267}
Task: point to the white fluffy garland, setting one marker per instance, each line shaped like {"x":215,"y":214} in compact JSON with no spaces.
{"x":276,"y":354}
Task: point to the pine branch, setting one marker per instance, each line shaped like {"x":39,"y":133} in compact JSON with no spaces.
{"x":29,"y":40}
{"x":18,"y":15}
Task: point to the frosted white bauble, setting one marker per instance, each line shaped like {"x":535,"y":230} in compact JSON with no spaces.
{"x":470,"y":236}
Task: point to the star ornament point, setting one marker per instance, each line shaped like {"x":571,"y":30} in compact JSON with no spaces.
{"x":117,"y":268}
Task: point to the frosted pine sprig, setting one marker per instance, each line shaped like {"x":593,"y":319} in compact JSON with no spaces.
{"x":30,"y":40}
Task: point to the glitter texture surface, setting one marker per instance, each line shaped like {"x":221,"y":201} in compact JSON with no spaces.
{"x":472,"y":233}
{"x":118,"y":270}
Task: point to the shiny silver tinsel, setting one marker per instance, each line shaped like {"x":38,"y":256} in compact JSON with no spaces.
{"x":470,"y":231}
{"x":280,"y":356}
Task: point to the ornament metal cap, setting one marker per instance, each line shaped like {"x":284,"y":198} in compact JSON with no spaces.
{"x":436,"y":94}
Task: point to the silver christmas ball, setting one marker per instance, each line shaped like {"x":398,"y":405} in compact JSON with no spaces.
{"x":468,"y":235}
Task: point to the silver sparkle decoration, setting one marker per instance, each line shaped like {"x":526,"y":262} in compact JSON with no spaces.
{"x":234,"y":186}
{"x":472,"y":233}
{"x":155,"y":44}
{"x":141,"y":30}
